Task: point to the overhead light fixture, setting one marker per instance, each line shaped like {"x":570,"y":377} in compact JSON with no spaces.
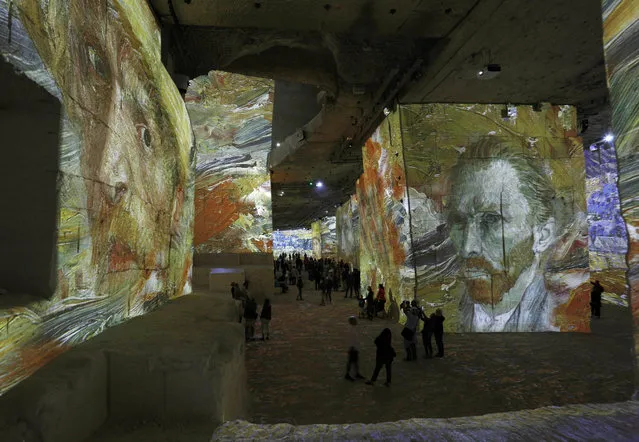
{"x":319,"y":184}
{"x":489,"y":71}
{"x":278,"y":144}
{"x":387,"y":111}
{"x":281,"y":193}
{"x":609,"y":138}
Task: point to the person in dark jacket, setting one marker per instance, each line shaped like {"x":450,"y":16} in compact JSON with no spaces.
{"x":250,"y":315}
{"x":265,"y":319}
{"x":438,"y":331}
{"x":384,"y":356}
{"x":427,"y":334}
{"x":300,"y":285}
{"x":370,"y":303}
{"x":595,"y":299}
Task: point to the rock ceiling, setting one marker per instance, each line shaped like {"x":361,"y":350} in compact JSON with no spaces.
{"x":351,"y":58}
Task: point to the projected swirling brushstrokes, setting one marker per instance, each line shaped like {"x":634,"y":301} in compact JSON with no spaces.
{"x":316,"y":238}
{"x":126,"y":190}
{"x":499,"y":216}
{"x":621,"y":30}
{"x":347,"y":231}
{"x":384,"y":238}
{"x":232,"y":120}
{"x":328,"y":237}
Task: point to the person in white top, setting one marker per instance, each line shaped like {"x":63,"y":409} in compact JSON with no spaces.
{"x":353,"y":351}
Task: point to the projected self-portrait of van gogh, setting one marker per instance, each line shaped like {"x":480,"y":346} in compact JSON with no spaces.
{"x":500,"y":237}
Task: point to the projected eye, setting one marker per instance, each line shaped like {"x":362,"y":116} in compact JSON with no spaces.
{"x":491,"y":218}
{"x":144,"y":135}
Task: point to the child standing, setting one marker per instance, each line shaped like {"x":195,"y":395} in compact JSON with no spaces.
{"x":353,"y":351}
{"x":265,"y":319}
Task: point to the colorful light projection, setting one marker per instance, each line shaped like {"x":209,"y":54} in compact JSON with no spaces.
{"x":293,"y":241}
{"x":384,"y":238}
{"x":232,"y":121}
{"x":347,"y":231}
{"x":329,"y":237}
{"x":621,"y":31}
{"x":607,"y":235}
{"x":316,"y":238}
{"x":498,"y":216}
{"x":126,"y":181}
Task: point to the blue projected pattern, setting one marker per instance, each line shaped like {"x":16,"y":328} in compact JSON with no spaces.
{"x":607,"y":235}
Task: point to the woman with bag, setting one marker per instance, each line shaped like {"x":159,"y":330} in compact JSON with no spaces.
{"x":412,"y":319}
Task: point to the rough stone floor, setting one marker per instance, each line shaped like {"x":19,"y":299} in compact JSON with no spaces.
{"x":297,"y":377}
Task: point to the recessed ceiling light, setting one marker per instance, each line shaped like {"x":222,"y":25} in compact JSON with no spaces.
{"x":319,"y":184}
{"x":608,"y":138}
{"x":278,"y":144}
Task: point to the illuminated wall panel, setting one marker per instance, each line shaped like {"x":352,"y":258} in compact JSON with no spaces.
{"x":498,"y":215}
{"x":125,"y":180}
{"x":384,"y":238}
{"x":347,"y":231}
{"x":329,"y":237}
{"x":232,"y":121}
{"x":293,"y":241}
{"x":316,"y":238}
{"x":621,"y":31}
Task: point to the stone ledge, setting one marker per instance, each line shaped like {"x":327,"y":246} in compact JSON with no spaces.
{"x":182,"y":361}
{"x":618,"y":421}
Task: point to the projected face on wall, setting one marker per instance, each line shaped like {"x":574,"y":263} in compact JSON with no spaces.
{"x":501,"y":224}
{"x":129,"y":159}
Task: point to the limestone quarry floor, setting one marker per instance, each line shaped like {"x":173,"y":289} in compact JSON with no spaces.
{"x":297,"y":377}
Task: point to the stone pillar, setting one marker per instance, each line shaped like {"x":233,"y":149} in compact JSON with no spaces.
{"x":620,"y":34}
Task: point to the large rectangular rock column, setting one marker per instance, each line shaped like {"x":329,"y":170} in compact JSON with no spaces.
{"x":621,"y":31}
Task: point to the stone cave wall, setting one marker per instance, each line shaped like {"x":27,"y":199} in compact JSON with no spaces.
{"x":232,"y":118}
{"x":125,"y":180}
{"x":621,"y":30}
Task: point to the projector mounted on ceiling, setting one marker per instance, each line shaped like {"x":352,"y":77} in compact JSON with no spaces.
{"x":489,"y":71}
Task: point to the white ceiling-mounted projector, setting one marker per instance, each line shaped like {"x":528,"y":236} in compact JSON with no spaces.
{"x":489,"y":72}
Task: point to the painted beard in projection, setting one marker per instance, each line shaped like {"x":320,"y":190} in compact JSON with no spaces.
{"x":621,"y":31}
{"x":231,"y":116}
{"x":347,"y":231}
{"x":383,"y":212}
{"x":125,"y":181}
{"x":498,"y":216}
{"x":292,"y":241}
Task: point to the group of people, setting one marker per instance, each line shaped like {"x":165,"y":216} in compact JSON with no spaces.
{"x":433,"y":326}
{"x":328,"y":275}
{"x":372,"y":304}
{"x":385,"y":353}
{"x":248,"y":312}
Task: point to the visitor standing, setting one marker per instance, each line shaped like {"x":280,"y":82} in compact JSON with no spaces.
{"x":438,"y":331}
{"x":250,"y":315}
{"x":353,"y":351}
{"x":427,"y":334}
{"x":300,"y":285}
{"x":595,"y":299}
{"x":383,"y":356}
{"x":409,"y":332}
{"x":265,"y":319}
